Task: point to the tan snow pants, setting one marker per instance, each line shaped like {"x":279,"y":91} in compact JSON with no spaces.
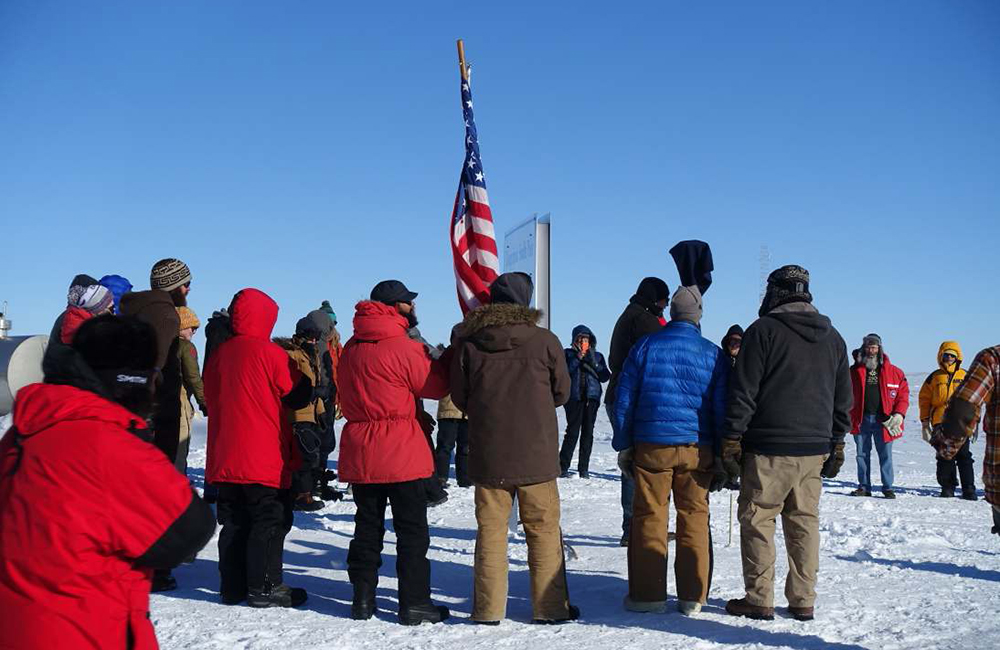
{"x":539,"y":510}
{"x":659,"y":470}
{"x":789,"y":486}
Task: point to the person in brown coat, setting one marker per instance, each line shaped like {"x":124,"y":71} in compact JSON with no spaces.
{"x":509,"y":376}
{"x":156,"y":308}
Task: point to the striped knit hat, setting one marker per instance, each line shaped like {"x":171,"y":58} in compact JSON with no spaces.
{"x":95,"y":299}
{"x":188,"y":318}
{"x":169,"y":274}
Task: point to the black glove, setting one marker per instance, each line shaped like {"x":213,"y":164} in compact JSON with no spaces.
{"x":720,"y":477}
{"x":834,"y":462}
{"x":732,"y":458}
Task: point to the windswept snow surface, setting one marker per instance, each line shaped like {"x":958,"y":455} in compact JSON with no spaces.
{"x":917,"y":572}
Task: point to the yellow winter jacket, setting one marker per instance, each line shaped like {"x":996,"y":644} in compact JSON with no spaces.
{"x":941,"y":384}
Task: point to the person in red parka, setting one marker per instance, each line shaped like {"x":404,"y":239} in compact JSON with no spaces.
{"x":252,"y":452}
{"x":881,"y":397}
{"x":88,"y":507}
{"x":384,"y":453}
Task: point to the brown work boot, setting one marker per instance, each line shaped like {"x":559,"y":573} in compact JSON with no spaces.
{"x":801,"y":613}
{"x":740,"y":607}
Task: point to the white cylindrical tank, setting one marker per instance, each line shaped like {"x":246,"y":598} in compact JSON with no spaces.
{"x":20,"y":365}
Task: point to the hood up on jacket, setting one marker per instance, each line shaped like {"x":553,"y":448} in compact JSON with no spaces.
{"x":375,"y":321}
{"x":583,"y":330}
{"x":803,"y":319}
{"x":253,"y":313}
{"x":951,"y":347}
{"x":501,"y":326}
{"x":735,"y":330}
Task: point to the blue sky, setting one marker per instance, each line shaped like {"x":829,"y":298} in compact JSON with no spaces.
{"x":312,"y":148}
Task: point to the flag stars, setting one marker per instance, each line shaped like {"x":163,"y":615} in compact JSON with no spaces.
{"x":479,"y":176}
{"x":469,"y":103}
{"x":471,"y":163}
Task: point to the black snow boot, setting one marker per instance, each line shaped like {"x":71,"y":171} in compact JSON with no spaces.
{"x":280,"y":596}
{"x":573,"y":613}
{"x":163,"y":581}
{"x":363,"y":607}
{"x":970,"y":495}
{"x":308,"y":505}
{"x":436,"y":494}
{"x":418,"y":614}
{"x":322,"y":490}
{"x":947,"y":493}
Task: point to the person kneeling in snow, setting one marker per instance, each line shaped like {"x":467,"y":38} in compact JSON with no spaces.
{"x":509,"y":376}
{"x":667,"y":422}
{"x":249,"y":381}
{"x":88,"y":507}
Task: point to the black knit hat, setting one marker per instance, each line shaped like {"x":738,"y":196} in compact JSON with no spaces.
{"x":307,"y":328}
{"x":788,"y":284}
{"x":653,"y":289}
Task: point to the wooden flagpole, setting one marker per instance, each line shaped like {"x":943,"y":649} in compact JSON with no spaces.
{"x":461,"y":60}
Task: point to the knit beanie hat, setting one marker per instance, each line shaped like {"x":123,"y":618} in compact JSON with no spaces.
{"x":686,"y":305}
{"x":307,"y":328}
{"x":169,"y":274}
{"x":77,"y":287}
{"x":95,"y":299}
{"x":328,"y":310}
{"x":188,"y":318}
{"x":653,"y":290}
{"x":788,"y":284}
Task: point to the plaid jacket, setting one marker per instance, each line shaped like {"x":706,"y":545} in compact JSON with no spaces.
{"x":981,"y":387}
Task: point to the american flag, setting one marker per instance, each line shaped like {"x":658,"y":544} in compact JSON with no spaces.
{"x":473,"y":244}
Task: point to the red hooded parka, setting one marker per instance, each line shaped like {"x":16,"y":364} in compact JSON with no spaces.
{"x":382,"y":373}
{"x":248,"y":439}
{"x":81,"y":498}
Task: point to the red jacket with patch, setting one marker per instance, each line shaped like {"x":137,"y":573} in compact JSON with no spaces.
{"x":248,"y":439}
{"x":895,"y":394}
{"x":382,"y":373}
{"x":81,"y":499}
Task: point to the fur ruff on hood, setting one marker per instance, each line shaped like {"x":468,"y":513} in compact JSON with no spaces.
{"x":499,"y":315}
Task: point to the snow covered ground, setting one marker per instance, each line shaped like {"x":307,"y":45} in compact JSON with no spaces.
{"x":917,"y":572}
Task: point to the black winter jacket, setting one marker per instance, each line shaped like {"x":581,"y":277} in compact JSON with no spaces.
{"x":790,"y":391}
{"x":636,"y":321}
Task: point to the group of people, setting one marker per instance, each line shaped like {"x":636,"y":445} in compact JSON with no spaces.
{"x":99,"y":449}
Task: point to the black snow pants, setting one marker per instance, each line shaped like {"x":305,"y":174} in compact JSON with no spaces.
{"x":255,"y":520}
{"x":946,"y":470}
{"x":409,"y":521}
{"x":580,"y":417}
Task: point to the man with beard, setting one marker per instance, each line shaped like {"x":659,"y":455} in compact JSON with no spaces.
{"x":642,"y":316}
{"x":385,"y":453}
{"x":786,"y":418}
{"x":881,"y":397}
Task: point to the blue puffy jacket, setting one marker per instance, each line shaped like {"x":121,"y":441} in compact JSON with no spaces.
{"x":592,"y":369}
{"x":672,"y":390}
